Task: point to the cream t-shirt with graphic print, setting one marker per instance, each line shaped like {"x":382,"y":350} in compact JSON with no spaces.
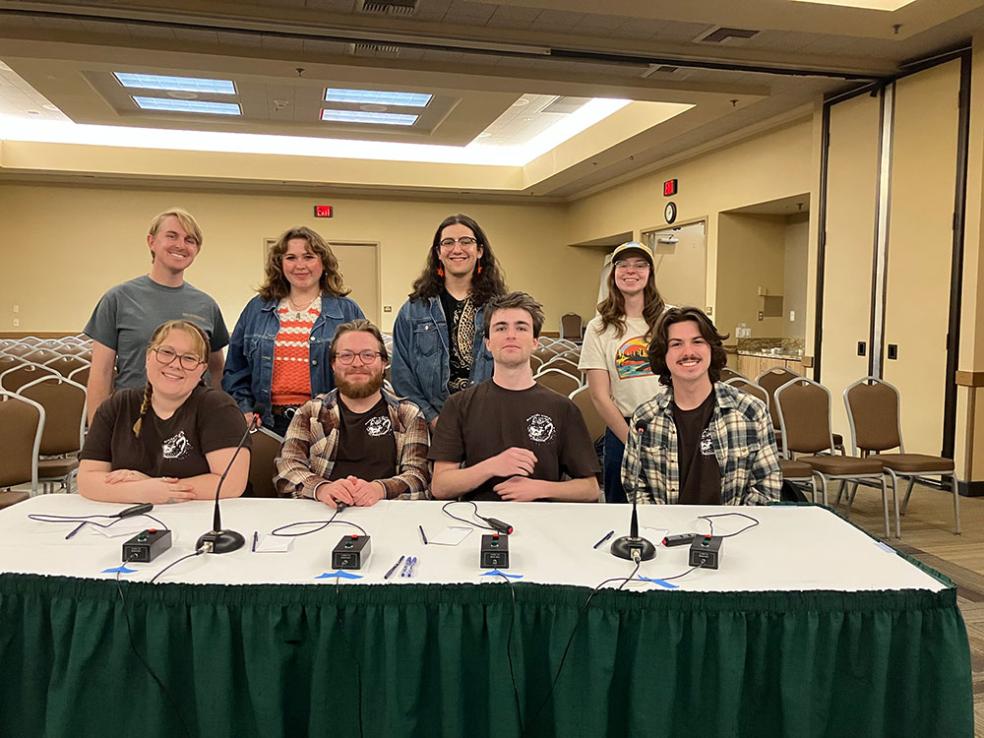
{"x":625,"y":358}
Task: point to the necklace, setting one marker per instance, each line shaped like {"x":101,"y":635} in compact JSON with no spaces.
{"x":299,"y":308}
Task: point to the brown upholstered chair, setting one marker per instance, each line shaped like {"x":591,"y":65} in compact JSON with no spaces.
{"x":873,"y":411}
{"x":536,"y":362}
{"x":771,"y":380}
{"x":21,"y":428}
{"x":592,"y":418}
{"x":571,"y":327}
{"x":16,"y":377}
{"x":565,"y":365}
{"x":265,"y":447}
{"x":64,"y":406}
{"x":66,"y":364}
{"x":804,"y":415}
{"x":560,"y":382}
{"x":545,"y":353}
{"x":729,"y":373}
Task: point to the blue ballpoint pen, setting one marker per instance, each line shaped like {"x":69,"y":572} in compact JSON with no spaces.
{"x":76,"y":529}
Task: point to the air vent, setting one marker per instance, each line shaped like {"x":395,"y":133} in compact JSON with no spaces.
{"x":391,"y":7}
{"x":373,"y":49}
{"x":565,"y":105}
{"x":664,"y":70}
{"x":723,"y":35}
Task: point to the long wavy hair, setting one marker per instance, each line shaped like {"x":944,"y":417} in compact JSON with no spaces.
{"x":612,"y":308}
{"x":487,"y":280}
{"x":201,"y":344}
{"x":276,"y":286}
{"x":658,"y":346}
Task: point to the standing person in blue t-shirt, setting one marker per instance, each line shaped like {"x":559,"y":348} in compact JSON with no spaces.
{"x":127,"y":316}
{"x":438,"y":344}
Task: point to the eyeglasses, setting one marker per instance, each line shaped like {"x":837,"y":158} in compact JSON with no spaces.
{"x":464,"y":241}
{"x":167,"y":356}
{"x":623,"y":264}
{"x":366,"y":357}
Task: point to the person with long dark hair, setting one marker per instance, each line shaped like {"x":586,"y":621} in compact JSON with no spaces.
{"x":438,"y":344}
{"x":278,"y":353}
{"x":614,"y":353}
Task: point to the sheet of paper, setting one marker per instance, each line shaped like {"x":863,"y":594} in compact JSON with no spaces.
{"x":451,"y":536}
{"x":128,"y":527}
{"x":273,"y":544}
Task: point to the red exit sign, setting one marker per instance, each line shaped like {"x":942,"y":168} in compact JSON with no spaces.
{"x":669,"y":188}
{"x":323,"y":211}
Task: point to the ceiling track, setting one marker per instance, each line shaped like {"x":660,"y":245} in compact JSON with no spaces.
{"x":459,"y":45}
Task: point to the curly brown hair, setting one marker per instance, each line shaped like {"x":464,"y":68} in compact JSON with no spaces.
{"x":276,"y":286}
{"x":487,"y":281}
{"x":658,"y":346}
{"x":611,"y":310}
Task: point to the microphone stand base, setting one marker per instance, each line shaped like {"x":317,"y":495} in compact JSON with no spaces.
{"x":223,"y":541}
{"x":623,"y":548}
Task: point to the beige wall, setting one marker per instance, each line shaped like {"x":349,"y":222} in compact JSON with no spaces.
{"x":774,"y":165}
{"x":750,"y":260}
{"x":64,"y":246}
{"x":796,"y":270}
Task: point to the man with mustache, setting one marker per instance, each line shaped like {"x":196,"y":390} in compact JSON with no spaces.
{"x":359,"y":443}
{"x":701,"y":442}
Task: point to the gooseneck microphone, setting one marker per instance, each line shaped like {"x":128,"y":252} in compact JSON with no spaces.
{"x":218,"y":540}
{"x":633,"y":547}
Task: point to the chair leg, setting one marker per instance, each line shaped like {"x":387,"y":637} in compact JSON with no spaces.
{"x":895,"y":504}
{"x":908,"y":492}
{"x":956,"y":503}
{"x":850,"y":497}
{"x":840,"y":492}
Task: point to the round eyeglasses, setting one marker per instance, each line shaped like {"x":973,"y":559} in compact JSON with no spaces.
{"x":167,"y":356}
{"x":464,"y":241}
{"x":366,"y":357}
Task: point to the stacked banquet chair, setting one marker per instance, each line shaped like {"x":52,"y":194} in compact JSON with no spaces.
{"x":42,"y":393}
{"x":873,"y":410}
{"x":795,"y":472}
{"x":803,"y":407}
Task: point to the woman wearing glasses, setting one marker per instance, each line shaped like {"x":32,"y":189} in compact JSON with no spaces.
{"x":170,"y":441}
{"x":278,"y":353}
{"x":438,"y":346}
{"x":615,"y":353}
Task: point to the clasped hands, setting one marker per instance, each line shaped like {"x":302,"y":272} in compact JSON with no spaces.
{"x":350,"y":491}
{"x":156,"y":490}
{"x":516,"y":464}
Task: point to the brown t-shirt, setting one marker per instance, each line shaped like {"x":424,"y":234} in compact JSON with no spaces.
{"x":208,"y":420}
{"x":366,"y":445}
{"x":700,"y":473}
{"x":484,"y":420}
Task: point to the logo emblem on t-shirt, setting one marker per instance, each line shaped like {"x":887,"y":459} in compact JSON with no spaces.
{"x":706,"y":443}
{"x":177,"y":446}
{"x":378,"y":426}
{"x":540,"y":428}
{"x":632,"y":359}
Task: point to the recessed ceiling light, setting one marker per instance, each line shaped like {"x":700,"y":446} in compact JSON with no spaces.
{"x":405,"y":99}
{"x":357,"y":116}
{"x":865,"y":4}
{"x":178,"y":84}
{"x":187,"y":106}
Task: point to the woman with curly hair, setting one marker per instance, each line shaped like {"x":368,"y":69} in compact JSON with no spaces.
{"x":438,"y":346}
{"x":170,"y":440}
{"x":278,"y":353}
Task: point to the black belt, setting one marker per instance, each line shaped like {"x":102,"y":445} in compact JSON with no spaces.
{"x":286,"y":410}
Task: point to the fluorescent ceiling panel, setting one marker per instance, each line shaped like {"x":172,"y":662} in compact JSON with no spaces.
{"x":358,"y":116}
{"x":377,"y":97}
{"x":187,"y":106}
{"x":176,"y":84}
{"x":865,"y":4}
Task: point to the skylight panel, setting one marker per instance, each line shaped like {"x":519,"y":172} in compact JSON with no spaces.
{"x":377,"y":97}
{"x":176,"y":84}
{"x":187,"y":106}
{"x":358,"y":116}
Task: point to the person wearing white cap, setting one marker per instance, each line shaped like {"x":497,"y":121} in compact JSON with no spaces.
{"x":614,"y":354}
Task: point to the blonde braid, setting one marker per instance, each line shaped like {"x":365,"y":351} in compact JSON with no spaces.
{"x":144,"y":407}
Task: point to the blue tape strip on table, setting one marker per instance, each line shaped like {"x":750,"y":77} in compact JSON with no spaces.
{"x":121,"y":569}
{"x":661,"y":582}
{"x":339,"y":575}
{"x":498,"y":573}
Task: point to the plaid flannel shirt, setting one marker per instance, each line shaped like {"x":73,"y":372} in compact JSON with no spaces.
{"x":311,"y":444}
{"x":744,"y":445}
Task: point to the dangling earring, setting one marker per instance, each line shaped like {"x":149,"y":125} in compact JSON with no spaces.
{"x":440,"y":272}
{"x":478,"y":269}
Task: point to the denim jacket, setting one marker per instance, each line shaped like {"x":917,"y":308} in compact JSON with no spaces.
{"x":421,"y":364}
{"x":248,"y":374}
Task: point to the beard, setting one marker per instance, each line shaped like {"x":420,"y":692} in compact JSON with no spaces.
{"x":359,"y":390}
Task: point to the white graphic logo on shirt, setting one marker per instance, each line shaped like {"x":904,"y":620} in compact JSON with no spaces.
{"x":540,"y":428}
{"x":379,"y":426}
{"x":177,"y":447}
{"x":706,"y":443}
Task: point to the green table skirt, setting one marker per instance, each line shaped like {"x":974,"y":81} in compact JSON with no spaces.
{"x":432,"y":660}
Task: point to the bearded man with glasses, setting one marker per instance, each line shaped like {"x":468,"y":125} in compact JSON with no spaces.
{"x":358,"y":443}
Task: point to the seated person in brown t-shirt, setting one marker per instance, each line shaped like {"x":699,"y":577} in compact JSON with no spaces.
{"x":170,"y":441}
{"x":508,"y":438}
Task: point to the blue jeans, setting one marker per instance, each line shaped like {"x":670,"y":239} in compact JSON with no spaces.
{"x":614,"y":449}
